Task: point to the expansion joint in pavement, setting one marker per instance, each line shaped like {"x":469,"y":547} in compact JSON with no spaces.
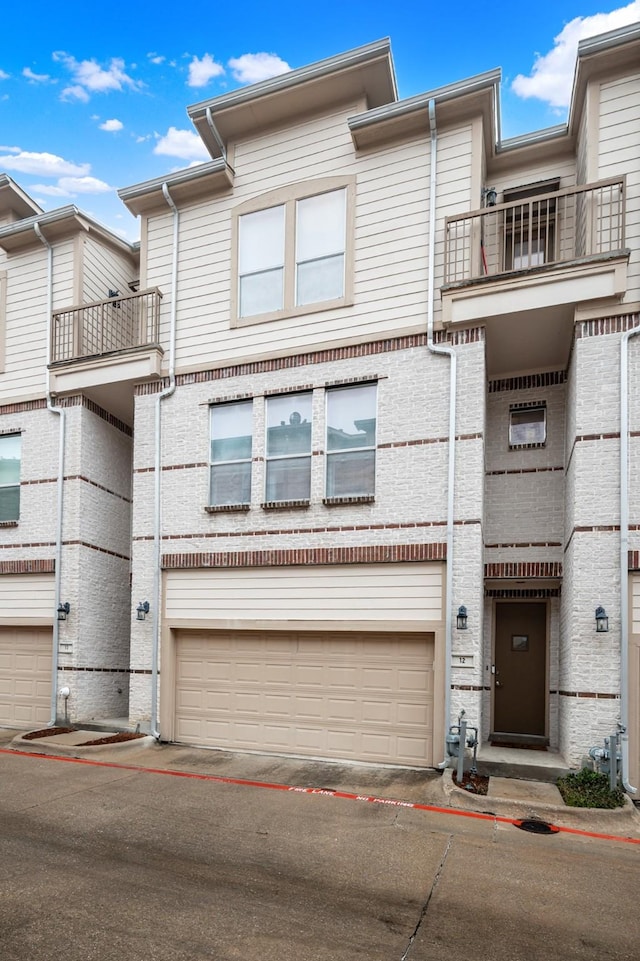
{"x":425,"y":907}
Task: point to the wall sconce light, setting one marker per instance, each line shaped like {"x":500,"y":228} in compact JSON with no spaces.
{"x":602,"y":621}
{"x":490,"y":196}
{"x":63,"y":610}
{"x":142,"y":610}
{"x":461,"y":619}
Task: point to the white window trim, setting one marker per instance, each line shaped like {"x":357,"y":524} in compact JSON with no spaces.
{"x":288,"y":196}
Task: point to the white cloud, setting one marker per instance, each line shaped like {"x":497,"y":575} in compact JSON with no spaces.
{"x":89,"y":77}
{"x":204,"y":70}
{"x":72,"y":186}
{"x":42,"y":164}
{"x":252,"y":67}
{"x":3,"y":75}
{"x":551,"y":76}
{"x":49,"y":190}
{"x":156,"y":58}
{"x":36,"y":77}
{"x":112,"y":126}
{"x":184,"y":144}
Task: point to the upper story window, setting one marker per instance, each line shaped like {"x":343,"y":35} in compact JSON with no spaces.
{"x":351,"y":441}
{"x":293,"y":255}
{"x":288,"y":448}
{"x":10,"y":447}
{"x":527,"y":425}
{"x":231,"y":444}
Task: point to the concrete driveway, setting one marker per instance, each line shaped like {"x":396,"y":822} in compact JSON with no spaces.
{"x":113,"y":863}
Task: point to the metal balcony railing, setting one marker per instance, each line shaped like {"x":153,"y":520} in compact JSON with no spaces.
{"x":106,"y":326}
{"x":544,"y":230}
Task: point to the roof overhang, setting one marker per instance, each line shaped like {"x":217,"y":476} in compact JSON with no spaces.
{"x":57,"y":225}
{"x":15,"y":201}
{"x":609,"y":53}
{"x":184,"y":186}
{"x":364,"y":73}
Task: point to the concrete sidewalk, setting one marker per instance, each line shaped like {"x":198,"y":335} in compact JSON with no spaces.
{"x":508,"y":797}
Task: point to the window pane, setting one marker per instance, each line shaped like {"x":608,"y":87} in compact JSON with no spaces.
{"x":261,"y":240}
{"x":320,"y":280}
{"x":10,"y":459}
{"x":289,"y":479}
{"x":527,"y":426}
{"x":230,"y":484}
{"x":351,"y":474}
{"x":320,"y":225}
{"x":9,"y":503}
{"x":351,"y":417}
{"x":261,"y":293}
{"x":289,"y":425}
{"x":231,"y":430}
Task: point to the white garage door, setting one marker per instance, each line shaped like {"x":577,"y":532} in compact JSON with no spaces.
{"x":366,"y":697}
{"x":25,"y":676}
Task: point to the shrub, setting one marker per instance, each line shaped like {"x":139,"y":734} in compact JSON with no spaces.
{"x":589,"y":789}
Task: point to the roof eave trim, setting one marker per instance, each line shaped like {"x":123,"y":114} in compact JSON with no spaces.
{"x":179,"y":178}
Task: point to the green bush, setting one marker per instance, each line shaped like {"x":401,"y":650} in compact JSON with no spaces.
{"x":589,"y":789}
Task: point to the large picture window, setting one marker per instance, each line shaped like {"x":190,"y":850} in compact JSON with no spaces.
{"x":10,"y":449}
{"x":292,"y":255}
{"x":231,"y":433}
{"x":351,"y":441}
{"x":288,"y":449}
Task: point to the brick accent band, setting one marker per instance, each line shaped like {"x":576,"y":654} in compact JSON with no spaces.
{"x":607,"y":325}
{"x":590,"y":694}
{"x":378,"y":554}
{"x":45,"y":566}
{"x":103,"y":670}
{"x":551,"y":378}
{"x":521,"y":569}
{"x":540,"y":593}
{"x":23,"y":407}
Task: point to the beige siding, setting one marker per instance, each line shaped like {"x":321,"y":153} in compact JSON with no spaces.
{"x":103,"y":269}
{"x":384,"y":592}
{"x":26,"y":597}
{"x":620,"y":154}
{"x":453,"y":189}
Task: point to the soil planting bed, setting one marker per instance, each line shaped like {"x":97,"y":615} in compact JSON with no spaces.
{"x":47,"y":732}
{"x":473,"y":783}
{"x":112,"y":739}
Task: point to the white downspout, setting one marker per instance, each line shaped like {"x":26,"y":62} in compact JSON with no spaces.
{"x":167,"y":392}
{"x":60,"y":493}
{"x":624,"y":556}
{"x":448,"y":352}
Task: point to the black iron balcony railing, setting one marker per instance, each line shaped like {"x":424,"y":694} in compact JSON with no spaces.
{"x":545,"y":230}
{"x":106,"y":326}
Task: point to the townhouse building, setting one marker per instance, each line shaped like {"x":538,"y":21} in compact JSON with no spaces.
{"x":347,"y":444}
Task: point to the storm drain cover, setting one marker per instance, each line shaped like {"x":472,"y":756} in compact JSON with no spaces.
{"x":535,"y":826}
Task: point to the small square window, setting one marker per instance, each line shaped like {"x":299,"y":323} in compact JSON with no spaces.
{"x":528,"y":426}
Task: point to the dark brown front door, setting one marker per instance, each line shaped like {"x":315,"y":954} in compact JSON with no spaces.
{"x":520,"y":669}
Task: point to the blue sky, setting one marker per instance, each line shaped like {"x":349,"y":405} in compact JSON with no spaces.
{"x":93,"y":97}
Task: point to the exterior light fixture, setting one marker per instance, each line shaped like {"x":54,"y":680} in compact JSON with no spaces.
{"x":63,"y":610}
{"x":602,"y":621}
{"x":490,"y":196}
{"x":142,"y":610}
{"x":461,"y":619}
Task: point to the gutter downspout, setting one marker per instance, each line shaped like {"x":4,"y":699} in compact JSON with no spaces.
{"x":157,"y":519}
{"x":60,"y":493}
{"x":624,"y":556}
{"x":215,"y":134}
{"x":447,"y":352}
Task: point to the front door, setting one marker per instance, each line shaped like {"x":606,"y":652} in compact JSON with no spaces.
{"x":520,"y":669}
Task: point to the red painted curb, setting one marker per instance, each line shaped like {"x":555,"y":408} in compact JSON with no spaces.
{"x":326,"y":792}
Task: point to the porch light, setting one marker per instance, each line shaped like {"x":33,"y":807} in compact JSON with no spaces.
{"x":461,"y":619}
{"x":490,"y":196}
{"x":602,"y":621}
{"x":142,"y":610}
{"x":63,"y":610}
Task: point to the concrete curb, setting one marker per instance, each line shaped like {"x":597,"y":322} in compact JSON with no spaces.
{"x":54,"y":745}
{"x":625,"y":818}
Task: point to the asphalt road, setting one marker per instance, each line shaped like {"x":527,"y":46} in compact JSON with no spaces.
{"x":106,"y":863}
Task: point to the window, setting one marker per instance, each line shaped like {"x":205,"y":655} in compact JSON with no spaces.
{"x":351,"y":441}
{"x":288,"y":449}
{"x":530,"y":226}
{"x":292,"y":253}
{"x":527,"y":425}
{"x":231,"y":432}
{"x":10,"y":477}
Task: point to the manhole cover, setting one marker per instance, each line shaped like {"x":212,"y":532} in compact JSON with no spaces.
{"x":535,"y":826}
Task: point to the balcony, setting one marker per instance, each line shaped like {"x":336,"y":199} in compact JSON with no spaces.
{"x":564,"y":247}
{"x":108,"y":342}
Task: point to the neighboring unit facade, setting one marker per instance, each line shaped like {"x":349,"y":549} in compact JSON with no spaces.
{"x":371,"y":375}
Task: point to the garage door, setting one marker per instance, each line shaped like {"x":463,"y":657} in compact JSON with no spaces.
{"x":366,"y":697}
{"x":25,"y":676}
